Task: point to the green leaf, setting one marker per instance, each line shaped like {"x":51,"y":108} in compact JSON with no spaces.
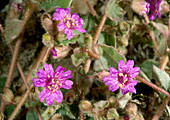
{"x":13,"y":28}
{"x":146,"y":67}
{"x":109,"y":56}
{"x":161,"y":76}
{"x":9,"y":110}
{"x":111,"y":40}
{"x":162,"y":44}
{"x":67,"y":42}
{"x":114,"y":12}
{"x":79,"y":56}
{"x":32,"y":115}
{"x":124,"y":100}
{"x":49,"y":4}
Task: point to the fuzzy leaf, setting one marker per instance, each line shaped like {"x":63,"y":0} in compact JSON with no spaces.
{"x":32,"y":115}
{"x":79,"y":56}
{"x":49,"y":4}
{"x":146,"y":67}
{"x":161,"y":76}
{"x":67,"y":42}
{"x":124,"y":100}
{"x":13,"y":28}
{"x":114,"y":12}
{"x":109,"y":56}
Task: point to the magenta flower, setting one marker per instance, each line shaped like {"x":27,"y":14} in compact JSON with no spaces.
{"x":68,"y":22}
{"x":52,"y":81}
{"x":123,"y":77}
{"x":54,"y":52}
{"x":154,"y":7}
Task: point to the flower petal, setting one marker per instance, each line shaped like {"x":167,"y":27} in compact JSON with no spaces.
{"x":113,"y":72}
{"x":50,"y":99}
{"x":124,"y":90}
{"x":69,"y":33}
{"x":58,"y":96}
{"x":134,"y":72}
{"x":39,"y":82}
{"x":130,"y":63}
{"x":110,"y":80}
{"x":61,"y":26}
{"x":41,"y":74}
{"x":121,"y":65}
{"x":81,"y":30}
{"x":43,"y":94}
{"x":75,"y":16}
{"x":113,"y":87}
{"x":49,"y":69}
{"x":132,"y":89}
{"x":68,"y":84}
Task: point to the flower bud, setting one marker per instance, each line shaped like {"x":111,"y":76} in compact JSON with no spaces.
{"x":70,"y":97}
{"x":47,"y":22}
{"x":102,"y":74}
{"x":131,"y":109}
{"x":8,"y":96}
{"x":47,"y":40}
{"x":14,"y":10}
{"x":85,"y":106}
{"x":140,"y":6}
{"x":60,"y":51}
{"x":124,"y":41}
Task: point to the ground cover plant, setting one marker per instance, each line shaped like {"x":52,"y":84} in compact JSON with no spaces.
{"x":85,"y":60}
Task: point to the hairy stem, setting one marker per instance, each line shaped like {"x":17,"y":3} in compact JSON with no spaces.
{"x":159,"y":112}
{"x":36,"y":63}
{"x":21,"y":103}
{"x":99,"y":29}
{"x":93,"y":12}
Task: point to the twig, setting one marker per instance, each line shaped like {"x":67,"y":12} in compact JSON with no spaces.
{"x":28,"y":11}
{"x":46,"y":55}
{"x":159,"y":112}
{"x":99,"y":29}
{"x":38,"y":112}
{"x":93,"y":12}
{"x":156,"y":46}
{"x":20,"y":69}
{"x":87,"y":65}
{"x":152,"y":85}
{"x":21,"y":103}
{"x":28,"y":77}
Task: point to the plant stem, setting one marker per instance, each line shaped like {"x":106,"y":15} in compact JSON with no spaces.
{"x":93,"y":12}
{"x":21,"y":103}
{"x":152,"y":85}
{"x":28,"y":77}
{"x":156,"y":46}
{"x":82,"y":97}
{"x":20,"y":69}
{"x":159,"y":112}
{"x":99,"y":29}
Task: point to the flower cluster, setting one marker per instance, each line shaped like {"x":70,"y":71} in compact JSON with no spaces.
{"x":154,"y":7}
{"x":52,"y":81}
{"x":68,"y":22}
{"x":123,"y":77}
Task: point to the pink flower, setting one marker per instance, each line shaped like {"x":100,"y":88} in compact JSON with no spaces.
{"x":52,"y":81}
{"x":68,"y":22}
{"x":123,"y":77}
{"x":154,"y":7}
{"x":54,"y":52}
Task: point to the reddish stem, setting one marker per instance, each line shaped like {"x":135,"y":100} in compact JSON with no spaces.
{"x":93,"y":12}
{"x":153,"y":85}
{"x":159,"y":112}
